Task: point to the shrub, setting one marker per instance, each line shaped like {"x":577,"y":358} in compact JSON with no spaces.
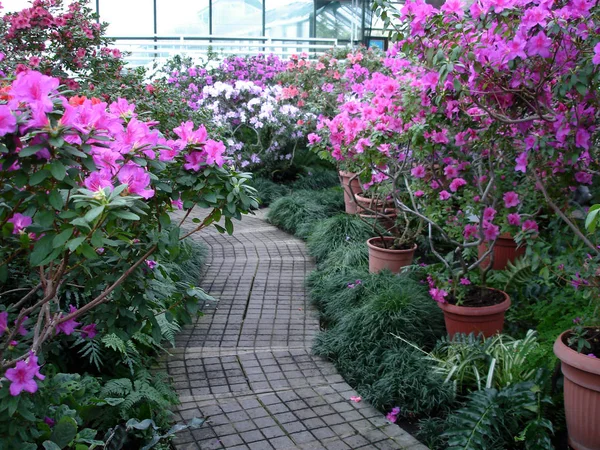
{"x":269,"y":191}
{"x":297,"y":212}
{"x":336,"y":232}
{"x":361,"y":340}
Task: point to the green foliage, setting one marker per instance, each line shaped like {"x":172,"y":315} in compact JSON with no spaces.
{"x":299,"y":211}
{"x":501,"y":419}
{"x":335,"y":232}
{"x":361,"y":342}
{"x":269,"y":191}
{"x":471,"y":363}
{"x":316,"y":178}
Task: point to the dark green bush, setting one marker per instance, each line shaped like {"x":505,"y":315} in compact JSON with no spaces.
{"x":269,"y":191}
{"x":297,"y":212}
{"x":316,"y":178}
{"x":362,"y":343}
{"x":336,"y":232}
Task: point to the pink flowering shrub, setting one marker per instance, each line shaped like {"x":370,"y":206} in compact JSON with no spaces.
{"x":86,"y":186}
{"x":60,"y":38}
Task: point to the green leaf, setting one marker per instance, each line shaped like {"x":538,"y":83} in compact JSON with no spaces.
{"x":41,"y":250}
{"x":93,"y":213}
{"x":64,"y":431}
{"x":38,"y":177}
{"x":75,"y":243}
{"x":45,"y":218}
{"x":49,"y":445}
{"x":31,"y":150}
{"x":165,"y":220}
{"x":126,"y":215}
{"x":229,"y":225}
{"x":56,"y":200}
{"x":58,"y":170}
{"x":88,"y":251}
{"x":61,"y":239}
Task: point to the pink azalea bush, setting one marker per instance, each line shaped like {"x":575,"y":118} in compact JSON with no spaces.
{"x":88,"y":185}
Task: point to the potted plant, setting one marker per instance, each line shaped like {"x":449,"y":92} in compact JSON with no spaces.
{"x":351,"y":186}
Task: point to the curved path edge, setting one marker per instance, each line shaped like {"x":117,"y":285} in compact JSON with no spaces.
{"x":246,"y":364}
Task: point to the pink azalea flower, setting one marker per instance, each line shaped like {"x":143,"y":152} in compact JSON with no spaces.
{"x":22,"y":330}
{"x":439,"y":295}
{"x":530,"y":225}
{"x":457,"y":183}
{"x":511,"y":199}
{"x":591,"y":355}
{"x":8,"y":122}
{"x":20,"y":222}
{"x":314,"y":138}
{"x":89,"y":331}
{"x":470,"y":231}
{"x":22,"y":376}
{"x":418,"y":172}
{"x":596,"y":58}
{"x":419,"y":193}
{"x":465,"y":281}
{"x":3,"y":322}
{"x":69,"y":326}
{"x":214,"y":152}
{"x":521,"y":163}
{"x":490,"y":231}
{"x":516,"y":48}
{"x":151,"y":264}
{"x":35,"y":89}
{"x":453,"y":7}
{"x":584,"y":177}
{"x":445,"y":195}
{"x":356,"y":399}
{"x":450,"y":172}
{"x":489,"y":213}
{"x":186,"y":132}
{"x":514,"y":219}
{"x":582,"y":138}
{"x":137,"y":180}
{"x":177,"y":203}
{"x":97,"y":181}
{"x":539,"y":44}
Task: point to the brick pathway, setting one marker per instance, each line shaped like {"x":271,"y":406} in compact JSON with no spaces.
{"x":246,"y":364}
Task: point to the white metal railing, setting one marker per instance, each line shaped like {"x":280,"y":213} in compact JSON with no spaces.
{"x":145,"y":50}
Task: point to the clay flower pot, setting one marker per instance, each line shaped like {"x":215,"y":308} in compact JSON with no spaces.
{"x":386,"y":219}
{"x":374,"y":204}
{"x":383,"y":258}
{"x":505,"y":250}
{"x":345,"y":177}
{"x":582,"y":395}
{"x":487,"y":320}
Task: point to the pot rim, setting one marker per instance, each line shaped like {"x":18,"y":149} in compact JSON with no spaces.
{"x":347,"y":174}
{"x":478,"y":310}
{"x":387,"y":250}
{"x":574,"y":359}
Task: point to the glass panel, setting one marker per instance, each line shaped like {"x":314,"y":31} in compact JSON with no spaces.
{"x":338,"y":19}
{"x":288,"y":18}
{"x":128,"y":18}
{"x":177,"y":17}
{"x":240,"y":18}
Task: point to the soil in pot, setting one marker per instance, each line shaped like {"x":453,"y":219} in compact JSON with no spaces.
{"x":480,"y":312}
{"x":378,"y":204}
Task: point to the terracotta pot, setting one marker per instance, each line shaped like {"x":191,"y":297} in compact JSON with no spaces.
{"x":582,"y":395}
{"x":487,"y":320}
{"x":386,"y":220}
{"x":356,"y":189}
{"x":374,"y":204}
{"x":383,"y":258}
{"x":505,"y":250}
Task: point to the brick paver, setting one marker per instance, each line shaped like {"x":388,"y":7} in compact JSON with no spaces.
{"x":246,"y":364}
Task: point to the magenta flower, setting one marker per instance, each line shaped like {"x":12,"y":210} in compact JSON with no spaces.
{"x":418,"y":172}
{"x":419,"y":193}
{"x":470,"y":231}
{"x":445,"y":195}
{"x":314,"y":138}
{"x":591,"y":355}
{"x":22,"y":330}
{"x":530,"y":225}
{"x":187,"y":133}
{"x":151,"y":264}
{"x":584,"y":177}
{"x":20,"y":222}
{"x":489,"y":213}
{"x":439,"y":295}
{"x":392,"y":416}
{"x":453,"y":7}
{"x":35,"y":89}
{"x":3,"y":322}
{"x":97,"y":181}
{"x":596,"y":58}
{"x":50,"y":422}
{"x":490,"y":231}
{"x":69,"y":326}
{"x":514,"y":219}
{"x":194,"y":160}
{"x":539,"y":44}
{"x":177,"y":203}
{"x":89,"y":331}
{"x":511,"y":199}
{"x":214,"y":152}
{"x":22,"y":376}
{"x":516,"y":48}
{"x":8,"y":122}
{"x":137,"y":180}
{"x":451,"y":172}
{"x":521,"y":163}
{"x":465,"y":281}
{"x":356,"y":399}
{"x":457,"y":183}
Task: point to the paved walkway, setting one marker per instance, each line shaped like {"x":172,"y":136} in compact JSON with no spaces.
{"x":246,"y":364}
